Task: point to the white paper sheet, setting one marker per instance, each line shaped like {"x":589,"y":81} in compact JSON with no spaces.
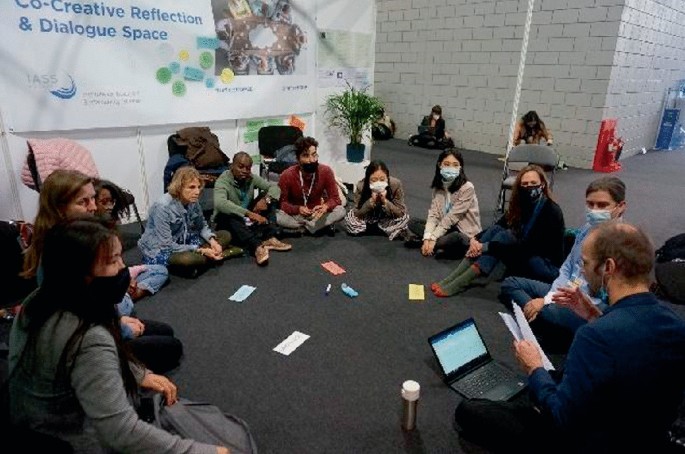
{"x":291,"y":343}
{"x":520,"y":329}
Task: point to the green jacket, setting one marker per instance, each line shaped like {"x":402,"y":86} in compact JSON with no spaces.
{"x":228,"y":196}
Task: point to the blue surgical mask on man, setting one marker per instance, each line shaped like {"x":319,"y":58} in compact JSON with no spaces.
{"x":449,"y":173}
{"x":596,"y":217}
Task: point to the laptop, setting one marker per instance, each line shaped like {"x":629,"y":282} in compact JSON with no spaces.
{"x":467,"y":366}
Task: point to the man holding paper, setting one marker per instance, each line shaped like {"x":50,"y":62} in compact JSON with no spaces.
{"x":604,"y":200}
{"x":624,"y":374}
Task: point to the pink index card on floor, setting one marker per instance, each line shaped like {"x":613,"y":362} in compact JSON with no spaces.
{"x":333,"y":268}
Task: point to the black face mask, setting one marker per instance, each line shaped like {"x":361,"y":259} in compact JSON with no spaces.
{"x":109,"y":290}
{"x":310,"y":167}
{"x":531,"y":195}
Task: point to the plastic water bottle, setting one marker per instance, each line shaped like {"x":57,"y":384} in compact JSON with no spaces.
{"x":410,"y":401}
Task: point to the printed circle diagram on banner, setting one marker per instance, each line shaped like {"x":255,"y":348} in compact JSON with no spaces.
{"x":253,"y":37}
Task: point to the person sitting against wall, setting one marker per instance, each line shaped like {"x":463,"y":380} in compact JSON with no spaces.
{"x":310,"y":199}
{"x":251,"y":221}
{"x":453,"y":217}
{"x":384,"y":128}
{"x":540,"y":301}
{"x":68,"y":194}
{"x":70,"y":376}
{"x":432,"y":132}
{"x":112,"y":203}
{"x":177,"y":234}
{"x":378,"y":204}
{"x":530,"y":129}
{"x":527,"y":240}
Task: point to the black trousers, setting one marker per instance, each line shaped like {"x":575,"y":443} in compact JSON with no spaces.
{"x":454,"y":244}
{"x":157,"y":348}
{"x":513,"y":426}
{"x":249,"y":237}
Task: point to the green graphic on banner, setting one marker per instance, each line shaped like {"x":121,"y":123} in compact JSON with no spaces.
{"x":252,"y":128}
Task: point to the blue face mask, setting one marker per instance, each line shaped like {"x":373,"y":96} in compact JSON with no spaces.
{"x":603,"y":295}
{"x":449,"y":173}
{"x":596,"y":217}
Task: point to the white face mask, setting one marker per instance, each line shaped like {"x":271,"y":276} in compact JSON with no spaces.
{"x":378,"y":186}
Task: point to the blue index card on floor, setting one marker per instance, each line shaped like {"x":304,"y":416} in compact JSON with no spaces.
{"x":242,"y":293}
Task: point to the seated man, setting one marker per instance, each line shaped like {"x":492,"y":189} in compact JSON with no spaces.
{"x":309,"y":194}
{"x":624,"y":374}
{"x":251,"y":221}
{"x":604,"y":200}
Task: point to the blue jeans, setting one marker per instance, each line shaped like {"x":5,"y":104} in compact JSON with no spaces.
{"x":153,"y":278}
{"x":487,"y":262}
{"x":521,"y":290}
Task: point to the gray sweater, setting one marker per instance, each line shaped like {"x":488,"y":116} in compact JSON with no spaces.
{"x":89,"y":407}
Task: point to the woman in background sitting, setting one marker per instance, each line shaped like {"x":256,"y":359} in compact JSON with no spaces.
{"x":70,"y":376}
{"x":177,"y":234}
{"x":528,"y":239}
{"x":378,"y":204}
{"x":111,"y":201}
{"x":530,"y":129}
{"x":453,"y":217}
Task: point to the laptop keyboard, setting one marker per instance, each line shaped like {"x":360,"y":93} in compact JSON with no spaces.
{"x":481,"y":380}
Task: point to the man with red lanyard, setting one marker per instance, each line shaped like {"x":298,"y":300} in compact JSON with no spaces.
{"x":309,"y":194}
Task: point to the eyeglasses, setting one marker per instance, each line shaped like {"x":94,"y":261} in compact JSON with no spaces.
{"x":530,"y":185}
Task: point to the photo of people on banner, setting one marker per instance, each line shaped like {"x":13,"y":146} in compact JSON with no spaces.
{"x":257,"y":37}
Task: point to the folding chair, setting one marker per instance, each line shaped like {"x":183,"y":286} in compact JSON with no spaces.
{"x":521,"y":156}
{"x":272,"y":139}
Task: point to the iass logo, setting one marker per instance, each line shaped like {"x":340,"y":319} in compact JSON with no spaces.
{"x":61,"y":86}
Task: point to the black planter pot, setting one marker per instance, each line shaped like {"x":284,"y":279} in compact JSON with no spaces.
{"x":355,"y":152}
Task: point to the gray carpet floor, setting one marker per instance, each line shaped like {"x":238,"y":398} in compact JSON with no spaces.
{"x":340,"y":391}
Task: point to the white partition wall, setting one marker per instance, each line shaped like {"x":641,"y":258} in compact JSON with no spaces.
{"x":77,"y":72}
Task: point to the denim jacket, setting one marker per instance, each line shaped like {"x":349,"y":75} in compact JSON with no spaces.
{"x":170,"y":226}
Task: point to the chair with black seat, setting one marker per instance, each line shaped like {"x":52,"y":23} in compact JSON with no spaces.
{"x":271,"y":140}
{"x":521,"y":156}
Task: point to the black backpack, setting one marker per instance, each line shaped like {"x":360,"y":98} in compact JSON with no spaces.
{"x":673,"y":248}
{"x":670,"y":270}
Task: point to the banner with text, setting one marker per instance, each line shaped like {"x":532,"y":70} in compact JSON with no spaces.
{"x":79,"y":65}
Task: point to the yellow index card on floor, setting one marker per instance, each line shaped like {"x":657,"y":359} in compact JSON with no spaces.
{"x":416,"y":292}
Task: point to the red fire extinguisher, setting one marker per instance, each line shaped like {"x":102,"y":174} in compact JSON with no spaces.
{"x":615,"y":147}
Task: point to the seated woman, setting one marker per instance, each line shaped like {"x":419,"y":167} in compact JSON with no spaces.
{"x":68,"y":194}
{"x":112,"y":204}
{"x":177,"y":234}
{"x":384,"y":128}
{"x":528,"y":239}
{"x":432,"y":132}
{"x":453,"y":217}
{"x":70,"y":376}
{"x":378,"y":203}
{"x":530,"y":129}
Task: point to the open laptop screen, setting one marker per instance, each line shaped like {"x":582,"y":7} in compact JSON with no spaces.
{"x":458,"y":346}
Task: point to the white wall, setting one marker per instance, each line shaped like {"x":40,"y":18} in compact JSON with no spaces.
{"x":135,"y":157}
{"x":587,"y":60}
{"x":650,"y":57}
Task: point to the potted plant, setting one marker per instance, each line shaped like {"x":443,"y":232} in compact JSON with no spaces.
{"x":353,"y":111}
